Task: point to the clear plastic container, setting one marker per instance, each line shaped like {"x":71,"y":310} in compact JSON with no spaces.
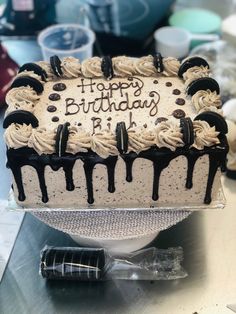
{"x":67,"y":40}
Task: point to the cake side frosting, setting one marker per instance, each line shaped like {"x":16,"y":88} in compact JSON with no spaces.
{"x":109,"y":108}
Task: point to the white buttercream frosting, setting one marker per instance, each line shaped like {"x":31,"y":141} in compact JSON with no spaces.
{"x":205,"y":135}
{"x":92,"y":67}
{"x":42,"y":141}
{"x":168,"y":134}
{"x":206,"y":98}
{"x":71,"y":67}
{"x":17,"y":135}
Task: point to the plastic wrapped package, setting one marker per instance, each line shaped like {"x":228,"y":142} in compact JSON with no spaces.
{"x":91,"y":264}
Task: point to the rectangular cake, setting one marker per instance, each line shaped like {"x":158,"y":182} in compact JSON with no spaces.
{"x":115,"y":133}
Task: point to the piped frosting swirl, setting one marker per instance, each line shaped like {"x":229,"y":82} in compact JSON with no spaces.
{"x":47,"y":68}
{"x":144,"y":66}
{"x":140,"y":140}
{"x":71,"y":67}
{"x":17,"y":135}
{"x":92,"y":67}
{"x":123,"y":66}
{"x":104,"y":144}
{"x":168,"y":134}
{"x":30,"y":74}
{"x":171,"y":66}
{"x":42,"y":141}
{"x":78,"y":140}
{"x":205,"y":135}
{"x":23,"y":97}
{"x":206,"y":98}
{"x":194,"y":73}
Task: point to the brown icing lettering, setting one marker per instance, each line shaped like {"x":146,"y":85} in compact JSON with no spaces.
{"x":154,"y":103}
{"x":135,"y":83}
{"x":96,"y":123}
{"x":71,"y":107}
{"x":83,"y":85}
{"x":131,"y":122}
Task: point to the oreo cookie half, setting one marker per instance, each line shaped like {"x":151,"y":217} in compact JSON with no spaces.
{"x":35,"y":68}
{"x":214,"y":119}
{"x":20,"y":117}
{"x":191,"y":62}
{"x":28,"y":81}
{"x":158,"y":62}
{"x":122,"y":138}
{"x":203,"y":83}
{"x":55,"y":63}
{"x":106,"y":67}
{"x":62,"y":138}
{"x":186,"y":126}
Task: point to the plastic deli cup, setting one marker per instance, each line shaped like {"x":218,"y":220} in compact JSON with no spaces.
{"x":66,"y":40}
{"x":175,"y":41}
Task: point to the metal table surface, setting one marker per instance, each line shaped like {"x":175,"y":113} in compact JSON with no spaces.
{"x":209,"y":242}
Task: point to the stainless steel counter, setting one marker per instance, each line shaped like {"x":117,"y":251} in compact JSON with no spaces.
{"x":209,"y":242}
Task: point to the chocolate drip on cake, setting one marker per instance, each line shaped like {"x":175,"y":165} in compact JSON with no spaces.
{"x":191,"y":163}
{"x":160,"y":158}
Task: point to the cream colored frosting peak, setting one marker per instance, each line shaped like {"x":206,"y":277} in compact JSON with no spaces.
{"x":168,"y":134}
{"x":140,"y":141}
{"x":206,"y":98}
{"x":31,"y":74}
{"x":171,"y":66}
{"x":205,"y":135}
{"x":212,"y":108}
{"x":78,"y":140}
{"x":194,"y":73}
{"x":104,"y":144}
{"x":123,"y":66}
{"x":92,"y":67}
{"x":70,"y":67}
{"x":145,"y":66}
{"x":23,"y":97}
{"x":17,"y":135}
{"x":42,"y":141}
{"x":48,"y":69}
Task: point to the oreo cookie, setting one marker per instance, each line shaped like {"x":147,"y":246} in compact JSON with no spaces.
{"x":186,"y":126}
{"x":55,"y":63}
{"x":213,"y":119}
{"x":122,"y":138}
{"x":106,"y":67}
{"x":35,"y":68}
{"x":158,"y":62}
{"x":191,"y":62}
{"x":203,"y":83}
{"x":62,"y":135}
{"x":20,"y":117}
{"x":28,"y":81}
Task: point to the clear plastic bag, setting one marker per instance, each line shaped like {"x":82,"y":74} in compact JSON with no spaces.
{"x":93,"y":264}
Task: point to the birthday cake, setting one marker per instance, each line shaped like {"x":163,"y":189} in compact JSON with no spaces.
{"x":115,"y":133}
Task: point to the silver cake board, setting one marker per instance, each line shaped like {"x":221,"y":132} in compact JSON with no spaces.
{"x":218,"y":203}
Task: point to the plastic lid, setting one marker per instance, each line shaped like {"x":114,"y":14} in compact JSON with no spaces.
{"x":196,"y":20}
